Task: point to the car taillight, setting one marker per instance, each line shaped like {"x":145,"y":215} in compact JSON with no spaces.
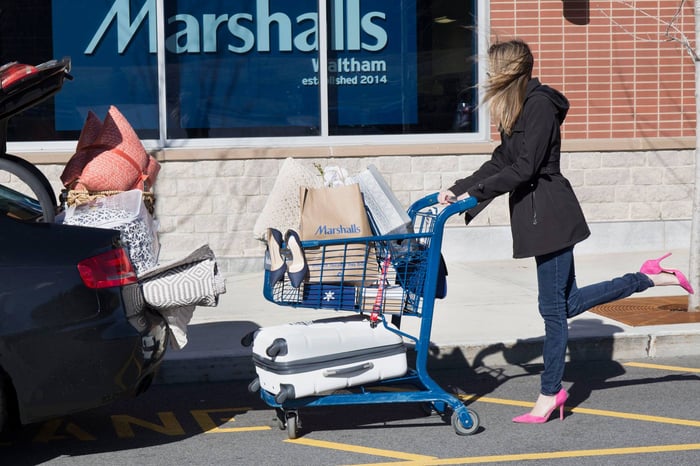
{"x":111,"y":268}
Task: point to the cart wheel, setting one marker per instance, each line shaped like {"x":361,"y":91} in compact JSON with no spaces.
{"x":459,"y":427}
{"x":293,"y":425}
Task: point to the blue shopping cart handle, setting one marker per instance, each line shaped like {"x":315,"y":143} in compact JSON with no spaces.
{"x":454,"y":208}
{"x":458,"y":207}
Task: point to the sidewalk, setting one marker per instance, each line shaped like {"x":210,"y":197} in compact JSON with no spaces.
{"x":489,"y":317}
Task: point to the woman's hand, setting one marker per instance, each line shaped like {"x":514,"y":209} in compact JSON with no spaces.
{"x":446,"y":197}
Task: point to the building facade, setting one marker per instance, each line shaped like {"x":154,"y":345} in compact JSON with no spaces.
{"x":221,"y":92}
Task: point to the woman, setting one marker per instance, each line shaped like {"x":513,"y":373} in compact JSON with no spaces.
{"x":546,"y":218}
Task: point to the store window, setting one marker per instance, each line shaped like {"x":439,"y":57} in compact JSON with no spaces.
{"x":422,"y":79}
{"x":242,"y":69}
{"x":251,"y":68}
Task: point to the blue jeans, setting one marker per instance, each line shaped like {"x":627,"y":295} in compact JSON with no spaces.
{"x":559,"y":299}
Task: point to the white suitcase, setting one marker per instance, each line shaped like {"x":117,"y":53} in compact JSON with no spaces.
{"x":312,"y":358}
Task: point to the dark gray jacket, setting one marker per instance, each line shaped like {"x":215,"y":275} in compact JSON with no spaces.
{"x":545,"y":214}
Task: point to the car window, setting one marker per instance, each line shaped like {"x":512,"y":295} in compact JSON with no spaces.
{"x":17,"y":205}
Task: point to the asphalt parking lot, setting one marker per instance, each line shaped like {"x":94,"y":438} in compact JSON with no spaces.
{"x":619,"y":412}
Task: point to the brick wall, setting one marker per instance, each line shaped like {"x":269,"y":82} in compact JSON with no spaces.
{"x":613,"y":60}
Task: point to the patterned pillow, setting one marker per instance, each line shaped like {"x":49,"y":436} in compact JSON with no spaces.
{"x":109,"y":157}
{"x":88,"y":135}
{"x":118,"y":160}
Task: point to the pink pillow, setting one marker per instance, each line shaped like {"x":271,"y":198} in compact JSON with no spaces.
{"x":74,"y":167}
{"x":117,"y":160}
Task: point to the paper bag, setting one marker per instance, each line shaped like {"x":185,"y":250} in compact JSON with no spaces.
{"x":329,"y":213}
{"x":337,"y":213}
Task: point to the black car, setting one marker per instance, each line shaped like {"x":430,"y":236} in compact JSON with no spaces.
{"x":75,"y":331}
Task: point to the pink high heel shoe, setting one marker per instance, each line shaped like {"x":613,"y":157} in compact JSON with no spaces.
{"x":652,"y":267}
{"x":559,"y":401}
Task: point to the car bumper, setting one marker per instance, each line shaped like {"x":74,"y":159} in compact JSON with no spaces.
{"x":93,"y":362}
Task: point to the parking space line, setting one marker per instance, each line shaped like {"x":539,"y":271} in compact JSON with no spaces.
{"x":424,"y":460}
{"x":662,"y":367}
{"x":210,"y":426}
{"x":364,"y":450}
{"x":579,"y":410}
{"x":594,"y":412}
{"x":637,"y":417}
{"x":547,"y":455}
{"x":500,"y":401}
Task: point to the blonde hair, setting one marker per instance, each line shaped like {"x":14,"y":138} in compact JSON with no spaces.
{"x":510,"y":69}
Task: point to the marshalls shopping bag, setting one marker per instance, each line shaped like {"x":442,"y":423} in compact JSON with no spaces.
{"x":337,"y":213}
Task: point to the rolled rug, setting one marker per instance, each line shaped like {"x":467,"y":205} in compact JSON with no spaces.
{"x":194,"y":280}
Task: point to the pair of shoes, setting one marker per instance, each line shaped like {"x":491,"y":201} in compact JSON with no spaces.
{"x":559,"y":401}
{"x":653,"y":267}
{"x":297,"y":269}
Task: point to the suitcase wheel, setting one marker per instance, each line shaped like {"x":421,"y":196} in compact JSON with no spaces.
{"x":247,"y":339}
{"x":286,"y":393}
{"x":277,"y":348}
{"x":254,"y":386}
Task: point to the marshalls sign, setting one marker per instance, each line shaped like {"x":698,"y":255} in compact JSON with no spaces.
{"x":239,"y":63}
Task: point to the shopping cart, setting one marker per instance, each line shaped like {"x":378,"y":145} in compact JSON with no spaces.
{"x":389,"y":278}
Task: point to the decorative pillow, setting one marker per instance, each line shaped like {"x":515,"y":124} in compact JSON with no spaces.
{"x":109,"y":157}
{"x":282,"y":209}
{"x":88,"y":135}
{"x":117,"y":159}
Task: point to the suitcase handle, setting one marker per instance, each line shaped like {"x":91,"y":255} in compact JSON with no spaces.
{"x":348,"y":370}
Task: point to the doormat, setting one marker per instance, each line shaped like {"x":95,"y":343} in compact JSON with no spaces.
{"x":638,"y":312}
